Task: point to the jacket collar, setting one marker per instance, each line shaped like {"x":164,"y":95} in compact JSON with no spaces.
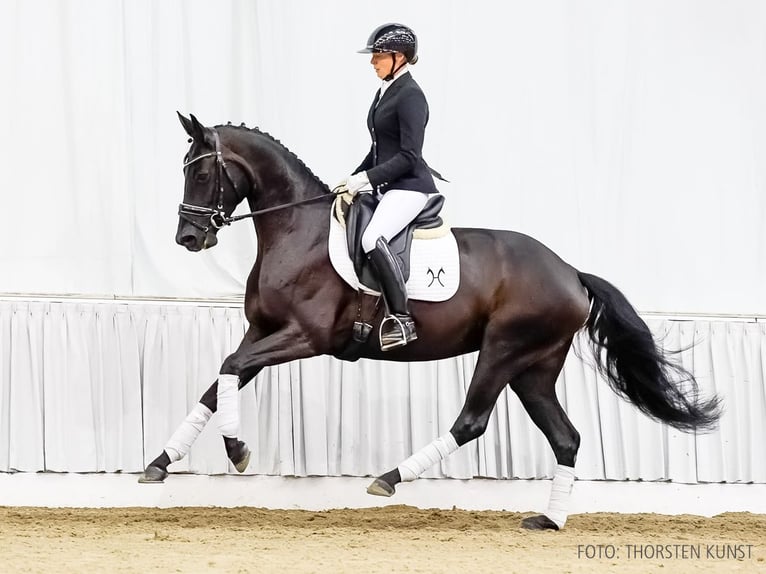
{"x":402,"y":78}
{"x":399,"y":74}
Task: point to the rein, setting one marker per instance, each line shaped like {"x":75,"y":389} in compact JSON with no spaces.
{"x":218,"y":217}
{"x":229,"y":220}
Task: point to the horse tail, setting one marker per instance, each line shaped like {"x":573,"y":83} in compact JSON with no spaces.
{"x":636,"y":367}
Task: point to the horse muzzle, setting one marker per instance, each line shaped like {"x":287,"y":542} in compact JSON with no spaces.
{"x":194,"y":239}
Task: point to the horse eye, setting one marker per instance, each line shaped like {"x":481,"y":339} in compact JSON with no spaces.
{"x":202,"y":177}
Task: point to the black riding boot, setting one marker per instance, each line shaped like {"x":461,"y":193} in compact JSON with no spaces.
{"x":397,"y":328}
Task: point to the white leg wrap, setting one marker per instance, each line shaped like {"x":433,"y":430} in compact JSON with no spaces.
{"x":427,"y":456}
{"x":561,"y":490}
{"x":228,"y":405}
{"x":180,"y":443}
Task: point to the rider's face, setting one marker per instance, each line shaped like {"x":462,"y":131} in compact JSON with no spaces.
{"x":382,"y":61}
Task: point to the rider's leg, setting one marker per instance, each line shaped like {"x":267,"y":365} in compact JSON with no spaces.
{"x":397,"y":328}
{"x":396,"y":209}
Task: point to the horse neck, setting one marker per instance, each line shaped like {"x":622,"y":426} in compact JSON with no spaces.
{"x":281,"y":180}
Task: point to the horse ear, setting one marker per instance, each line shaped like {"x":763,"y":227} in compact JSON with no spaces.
{"x":186,"y":123}
{"x":198,"y":128}
{"x":195,"y":129}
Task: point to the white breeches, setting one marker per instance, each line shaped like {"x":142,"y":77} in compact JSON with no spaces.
{"x":397,"y":207}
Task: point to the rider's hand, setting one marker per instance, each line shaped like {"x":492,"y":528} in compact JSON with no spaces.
{"x":353,"y":183}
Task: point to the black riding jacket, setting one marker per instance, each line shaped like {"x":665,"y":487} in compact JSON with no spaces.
{"x":397,"y":126}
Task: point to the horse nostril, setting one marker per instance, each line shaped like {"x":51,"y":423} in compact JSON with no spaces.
{"x":188,"y":241}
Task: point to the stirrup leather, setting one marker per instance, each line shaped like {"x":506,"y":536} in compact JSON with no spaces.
{"x":396,"y":331}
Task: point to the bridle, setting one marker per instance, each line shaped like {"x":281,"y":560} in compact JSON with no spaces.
{"x":217,"y":216}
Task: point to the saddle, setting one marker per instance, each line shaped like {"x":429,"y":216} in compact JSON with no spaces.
{"x":357,"y":216}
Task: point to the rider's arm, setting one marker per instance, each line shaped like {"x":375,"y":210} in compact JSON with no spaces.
{"x":366,"y":163}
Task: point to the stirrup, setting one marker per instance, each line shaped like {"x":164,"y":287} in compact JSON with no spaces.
{"x":399,"y":330}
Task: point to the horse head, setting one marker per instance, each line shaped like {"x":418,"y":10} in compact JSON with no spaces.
{"x":212,"y":189}
{"x":226,"y":164}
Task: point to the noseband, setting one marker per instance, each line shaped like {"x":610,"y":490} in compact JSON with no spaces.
{"x":217,"y":216}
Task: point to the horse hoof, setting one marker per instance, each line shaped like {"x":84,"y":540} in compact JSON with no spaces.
{"x":380,"y":488}
{"x":153,"y":475}
{"x":240,"y":457}
{"x":241,"y":466}
{"x":540,"y":522}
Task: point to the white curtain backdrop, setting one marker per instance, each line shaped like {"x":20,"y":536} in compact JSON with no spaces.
{"x":628,"y":136}
{"x":101,"y":386}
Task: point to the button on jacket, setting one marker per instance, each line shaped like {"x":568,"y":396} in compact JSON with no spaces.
{"x":397,"y":126}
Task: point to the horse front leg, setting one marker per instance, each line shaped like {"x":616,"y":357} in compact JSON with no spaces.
{"x":180,"y":443}
{"x":241,"y":366}
{"x":187,"y":432}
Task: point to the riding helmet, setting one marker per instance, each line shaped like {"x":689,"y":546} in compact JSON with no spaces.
{"x":393,"y":38}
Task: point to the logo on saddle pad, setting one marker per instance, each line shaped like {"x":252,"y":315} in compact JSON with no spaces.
{"x":436,"y":276}
{"x":432,"y":270}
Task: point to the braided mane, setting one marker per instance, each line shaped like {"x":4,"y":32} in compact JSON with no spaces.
{"x":268,"y":136}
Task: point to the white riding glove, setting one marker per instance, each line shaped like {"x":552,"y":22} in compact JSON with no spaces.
{"x":353,"y":183}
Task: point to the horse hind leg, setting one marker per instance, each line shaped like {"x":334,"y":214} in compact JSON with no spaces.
{"x":535,"y":388}
{"x":533,"y":379}
{"x":489,"y":379}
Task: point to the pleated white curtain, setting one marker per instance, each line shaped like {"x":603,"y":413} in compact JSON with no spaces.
{"x":101,"y":386}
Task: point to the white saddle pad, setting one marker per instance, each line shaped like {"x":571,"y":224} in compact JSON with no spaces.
{"x":434,"y":265}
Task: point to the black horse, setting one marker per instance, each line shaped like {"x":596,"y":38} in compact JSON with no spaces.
{"x":518,"y":304}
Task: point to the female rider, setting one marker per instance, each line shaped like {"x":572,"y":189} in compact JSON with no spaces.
{"x":394,"y":168}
